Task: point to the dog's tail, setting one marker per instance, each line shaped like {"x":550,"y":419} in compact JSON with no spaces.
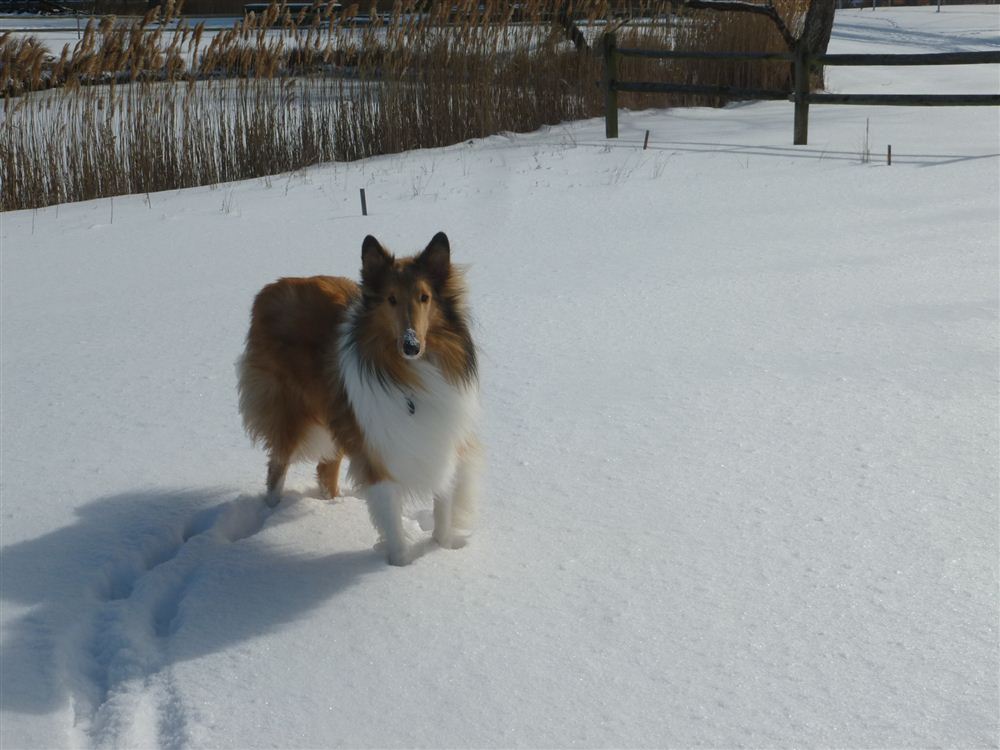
{"x":254,"y":389}
{"x":264,"y":405}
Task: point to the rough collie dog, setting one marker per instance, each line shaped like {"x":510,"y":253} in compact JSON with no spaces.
{"x":383,"y":374}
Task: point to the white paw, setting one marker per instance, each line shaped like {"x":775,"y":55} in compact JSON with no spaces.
{"x":400,"y":557}
{"x":451,"y":541}
{"x":395,"y":555}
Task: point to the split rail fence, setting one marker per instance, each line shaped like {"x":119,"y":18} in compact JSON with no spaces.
{"x":802,"y":63}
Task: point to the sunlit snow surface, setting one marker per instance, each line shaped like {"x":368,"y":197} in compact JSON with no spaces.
{"x":740,"y":413}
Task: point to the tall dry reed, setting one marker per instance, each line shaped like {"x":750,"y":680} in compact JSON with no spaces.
{"x":141,"y":107}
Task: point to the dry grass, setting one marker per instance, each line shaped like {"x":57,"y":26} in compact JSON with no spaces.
{"x":25,"y":64}
{"x":139,"y":109}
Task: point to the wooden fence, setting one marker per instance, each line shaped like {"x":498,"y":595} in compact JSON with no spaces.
{"x":801,"y":63}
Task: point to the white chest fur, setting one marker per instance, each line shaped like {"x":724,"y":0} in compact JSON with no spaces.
{"x":415,"y":433}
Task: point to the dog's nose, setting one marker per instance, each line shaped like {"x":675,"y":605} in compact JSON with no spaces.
{"x":411,"y":344}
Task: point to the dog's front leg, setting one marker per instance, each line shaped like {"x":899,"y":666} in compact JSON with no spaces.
{"x":457,"y":507}
{"x":444,"y":534}
{"x":385,"y":506}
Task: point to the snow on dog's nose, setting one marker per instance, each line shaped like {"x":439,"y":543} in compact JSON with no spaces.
{"x":411,"y":344}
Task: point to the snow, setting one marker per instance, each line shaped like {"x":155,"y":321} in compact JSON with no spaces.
{"x":739,"y":408}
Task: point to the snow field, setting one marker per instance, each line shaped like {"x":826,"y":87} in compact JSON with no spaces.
{"x":740,"y":410}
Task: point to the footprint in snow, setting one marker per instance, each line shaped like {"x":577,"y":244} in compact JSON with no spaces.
{"x":121,"y":657}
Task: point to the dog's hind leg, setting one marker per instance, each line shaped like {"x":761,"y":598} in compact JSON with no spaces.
{"x":286,"y":430}
{"x":276,"y":470}
{"x":328,"y":474}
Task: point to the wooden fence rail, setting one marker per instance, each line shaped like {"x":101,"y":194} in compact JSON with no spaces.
{"x":801,"y":63}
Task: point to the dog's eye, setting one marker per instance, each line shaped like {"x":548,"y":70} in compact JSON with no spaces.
{"x":392,"y":299}
{"x":424,"y":297}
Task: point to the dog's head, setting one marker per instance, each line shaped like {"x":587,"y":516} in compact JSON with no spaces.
{"x":405,"y":297}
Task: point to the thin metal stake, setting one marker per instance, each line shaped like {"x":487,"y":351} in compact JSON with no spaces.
{"x":364,"y":203}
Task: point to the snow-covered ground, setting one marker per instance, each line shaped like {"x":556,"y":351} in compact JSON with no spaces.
{"x":741,"y":414}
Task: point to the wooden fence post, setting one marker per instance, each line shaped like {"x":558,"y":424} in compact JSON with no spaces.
{"x":610,"y":79}
{"x":801,"y":73}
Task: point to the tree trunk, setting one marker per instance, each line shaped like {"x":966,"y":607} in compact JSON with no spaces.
{"x":816,"y":31}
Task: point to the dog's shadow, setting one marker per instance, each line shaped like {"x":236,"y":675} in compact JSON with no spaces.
{"x":134,"y":557}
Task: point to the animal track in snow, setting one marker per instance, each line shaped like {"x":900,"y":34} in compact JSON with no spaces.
{"x":121,"y":677}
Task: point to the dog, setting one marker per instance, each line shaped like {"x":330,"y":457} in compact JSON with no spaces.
{"x":384,"y":374}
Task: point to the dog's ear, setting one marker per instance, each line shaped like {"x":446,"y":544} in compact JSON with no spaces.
{"x":375,"y":262}
{"x":435,"y":260}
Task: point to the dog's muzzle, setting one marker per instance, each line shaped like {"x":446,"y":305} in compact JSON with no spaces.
{"x":411,"y":344}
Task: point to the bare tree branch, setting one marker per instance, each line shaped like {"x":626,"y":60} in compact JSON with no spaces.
{"x":572,"y":30}
{"x":739,"y":6}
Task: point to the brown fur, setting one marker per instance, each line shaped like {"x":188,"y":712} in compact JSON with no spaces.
{"x":290,"y":382}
